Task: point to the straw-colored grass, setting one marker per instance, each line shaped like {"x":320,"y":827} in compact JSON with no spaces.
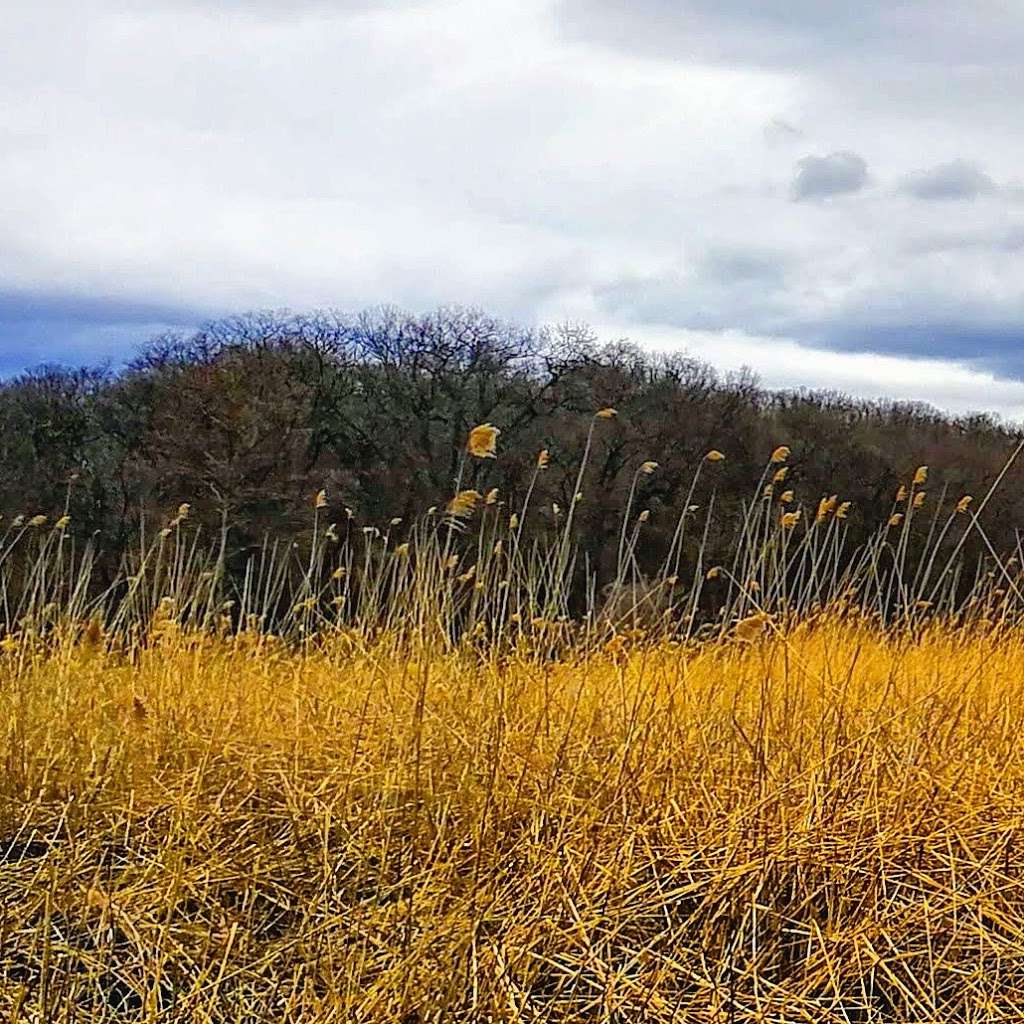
{"x":397,"y":773}
{"x":822,"y":825}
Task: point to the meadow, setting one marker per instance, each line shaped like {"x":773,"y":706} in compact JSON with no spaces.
{"x":434,"y":771}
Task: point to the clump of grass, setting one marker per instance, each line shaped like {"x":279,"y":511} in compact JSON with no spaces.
{"x":394,"y":774}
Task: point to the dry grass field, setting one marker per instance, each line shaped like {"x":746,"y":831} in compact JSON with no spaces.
{"x":427,"y":792}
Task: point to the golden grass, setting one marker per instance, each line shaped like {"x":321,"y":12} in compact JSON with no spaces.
{"x":824,"y":824}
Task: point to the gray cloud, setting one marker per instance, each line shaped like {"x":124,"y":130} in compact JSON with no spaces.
{"x":819,"y":177}
{"x":628,"y":162}
{"x":958,"y":179}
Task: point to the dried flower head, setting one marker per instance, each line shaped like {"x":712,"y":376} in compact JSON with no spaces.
{"x":921,"y":475}
{"x":492,"y":496}
{"x":768,"y":491}
{"x":62,"y":523}
{"x":780,"y":454}
{"x":648,"y":467}
{"x":402,"y":550}
{"x":39,"y":520}
{"x":964,"y":503}
{"x":789,"y":519}
{"x":513,"y":521}
{"x":483,"y":441}
{"x":919,"y":498}
{"x":556,"y":508}
{"x":780,"y":474}
{"x":751,"y":627}
{"x":713,"y":573}
{"x":543,"y":458}
{"x":895,"y":520}
{"x":463,"y":504}
{"x":825,"y":506}
{"x":786,"y":497}
{"x":901,"y":494}
{"x":644,"y":516}
{"x":714,"y":455}
{"x":320,"y":499}
{"x":183,"y":510}
{"x":843,"y":510}
{"x":607,"y":414}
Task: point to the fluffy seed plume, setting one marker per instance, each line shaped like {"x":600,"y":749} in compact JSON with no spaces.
{"x":463,"y":504}
{"x":751,"y":627}
{"x":825,"y":506}
{"x":921,"y":475}
{"x":919,"y":498}
{"x":780,"y":454}
{"x":780,"y":474}
{"x":483,"y":441}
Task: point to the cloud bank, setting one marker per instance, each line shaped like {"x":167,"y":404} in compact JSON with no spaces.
{"x":632,"y":162}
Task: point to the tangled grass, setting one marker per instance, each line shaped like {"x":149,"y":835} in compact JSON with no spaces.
{"x":822,"y":825}
{"x":398,"y":783}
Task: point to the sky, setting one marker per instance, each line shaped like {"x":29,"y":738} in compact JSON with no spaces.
{"x":831,"y":194}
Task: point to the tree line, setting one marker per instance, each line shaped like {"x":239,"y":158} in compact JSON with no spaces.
{"x":248,"y":417}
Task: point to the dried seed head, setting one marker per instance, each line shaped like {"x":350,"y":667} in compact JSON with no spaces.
{"x":919,"y":498}
{"x":901,"y":494}
{"x":644,"y":516}
{"x":183,"y":510}
{"x":483,"y":441}
{"x":543,"y":458}
{"x":789,"y":519}
{"x":320,"y":499}
{"x":648,"y":467}
{"x":513,"y":521}
{"x":786,"y":497}
{"x":402,"y":550}
{"x":492,"y":496}
{"x":39,"y":520}
{"x":844,"y":510}
{"x":921,"y":475}
{"x":607,"y":414}
{"x":714,"y":455}
{"x":964,"y":503}
{"x":713,"y":573}
{"x":463,"y":504}
{"x":780,"y":474}
{"x":895,"y":520}
{"x":780,"y":454}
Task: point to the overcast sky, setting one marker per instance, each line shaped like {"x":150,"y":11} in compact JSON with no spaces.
{"x":830,"y":193}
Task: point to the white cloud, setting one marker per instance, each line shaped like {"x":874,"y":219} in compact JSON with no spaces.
{"x":623,"y":161}
{"x":785,"y":363}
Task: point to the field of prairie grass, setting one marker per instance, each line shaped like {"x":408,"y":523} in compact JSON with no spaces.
{"x":397,"y":774}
